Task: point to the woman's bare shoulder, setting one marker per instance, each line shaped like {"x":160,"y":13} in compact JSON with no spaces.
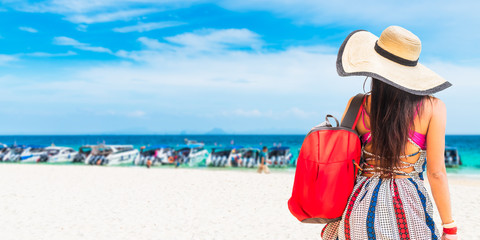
{"x":434,"y":106}
{"x":434,"y":111}
{"x":435,"y":102}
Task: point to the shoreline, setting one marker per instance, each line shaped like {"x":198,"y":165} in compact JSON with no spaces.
{"x":468,"y":172}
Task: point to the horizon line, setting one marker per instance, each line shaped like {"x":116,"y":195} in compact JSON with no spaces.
{"x":178,"y":134}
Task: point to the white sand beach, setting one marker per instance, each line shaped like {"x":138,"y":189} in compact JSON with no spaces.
{"x":89,"y":202}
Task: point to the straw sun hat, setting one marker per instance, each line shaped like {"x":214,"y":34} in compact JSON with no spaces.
{"x":392,"y":58}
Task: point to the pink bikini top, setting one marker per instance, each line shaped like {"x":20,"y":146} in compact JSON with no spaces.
{"x":417,"y":138}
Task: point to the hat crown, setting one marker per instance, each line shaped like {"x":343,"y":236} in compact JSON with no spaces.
{"x":400,"y":42}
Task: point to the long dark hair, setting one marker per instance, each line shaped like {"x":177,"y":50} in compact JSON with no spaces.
{"x":392,"y":118}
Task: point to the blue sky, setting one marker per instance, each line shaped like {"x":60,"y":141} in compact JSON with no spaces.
{"x":120,"y":66}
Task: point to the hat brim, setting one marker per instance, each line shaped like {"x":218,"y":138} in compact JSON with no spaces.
{"x":357,"y":57}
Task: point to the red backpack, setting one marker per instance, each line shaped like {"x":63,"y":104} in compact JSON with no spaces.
{"x":327,"y":167}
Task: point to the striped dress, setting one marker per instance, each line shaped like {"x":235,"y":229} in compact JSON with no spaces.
{"x":386,"y":208}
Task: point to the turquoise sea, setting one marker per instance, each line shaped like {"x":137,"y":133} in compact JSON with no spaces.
{"x":468,"y":145}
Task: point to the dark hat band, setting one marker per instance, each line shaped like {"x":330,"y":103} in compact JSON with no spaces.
{"x":384,"y":53}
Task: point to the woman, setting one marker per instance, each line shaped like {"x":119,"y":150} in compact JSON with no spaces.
{"x":400,"y":126}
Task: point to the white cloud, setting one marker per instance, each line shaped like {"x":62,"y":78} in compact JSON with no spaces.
{"x":94,"y":49}
{"x":28,"y":29}
{"x":4,"y":59}
{"x":325,"y":12}
{"x":302,"y":11}
{"x":209,"y":39}
{"x":82,"y":27}
{"x":204,"y":41}
{"x":136,"y":114}
{"x":145,"y":27}
{"x":66,"y":41}
{"x":247,"y":89}
{"x":154,"y":44}
{"x":92,"y":6}
{"x":181,"y":70}
{"x":229,"y":67}
{"x":441,"y":25}
{"x":109,"y":17}
{"x":438,"y":24}
{"x":297,"y":112}
{"x":244,"y":113}
{"x":45,"y":54}
{"x":93,"y":11}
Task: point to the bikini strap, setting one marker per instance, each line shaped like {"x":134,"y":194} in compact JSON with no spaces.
{"x":403,"y":156}
{"x":364,"y":112}
{"x":420,"y":150}
{"x":415,"y":144}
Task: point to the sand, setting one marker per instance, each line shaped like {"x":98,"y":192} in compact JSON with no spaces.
{"x":90,"y":202}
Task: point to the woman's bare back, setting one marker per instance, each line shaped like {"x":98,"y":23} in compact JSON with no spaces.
{"x":421,"y":123}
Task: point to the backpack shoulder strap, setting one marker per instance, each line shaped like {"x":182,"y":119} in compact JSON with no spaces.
{"x":353,"y":112}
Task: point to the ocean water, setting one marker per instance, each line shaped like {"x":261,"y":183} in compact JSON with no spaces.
{"x":467,"y":145}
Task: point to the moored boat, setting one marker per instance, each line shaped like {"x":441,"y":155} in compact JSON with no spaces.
{"x":25,"y":154}
{"x":56,"y":154}
{"x":452,"y":157}
{"x":156,"y":154}
{"x":191,"y":154}
{"x":4,"y":149}
{"x":229,"y":156}
{"x":83,"y":152}
{"x":250,"y":157}
{"x":112,"y":155}
{"x":279,"y":156}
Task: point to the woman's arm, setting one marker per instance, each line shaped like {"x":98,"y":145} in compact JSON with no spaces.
{"x":437,"y":175}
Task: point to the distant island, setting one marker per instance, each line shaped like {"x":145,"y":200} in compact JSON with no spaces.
{"x":216,"y":131}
